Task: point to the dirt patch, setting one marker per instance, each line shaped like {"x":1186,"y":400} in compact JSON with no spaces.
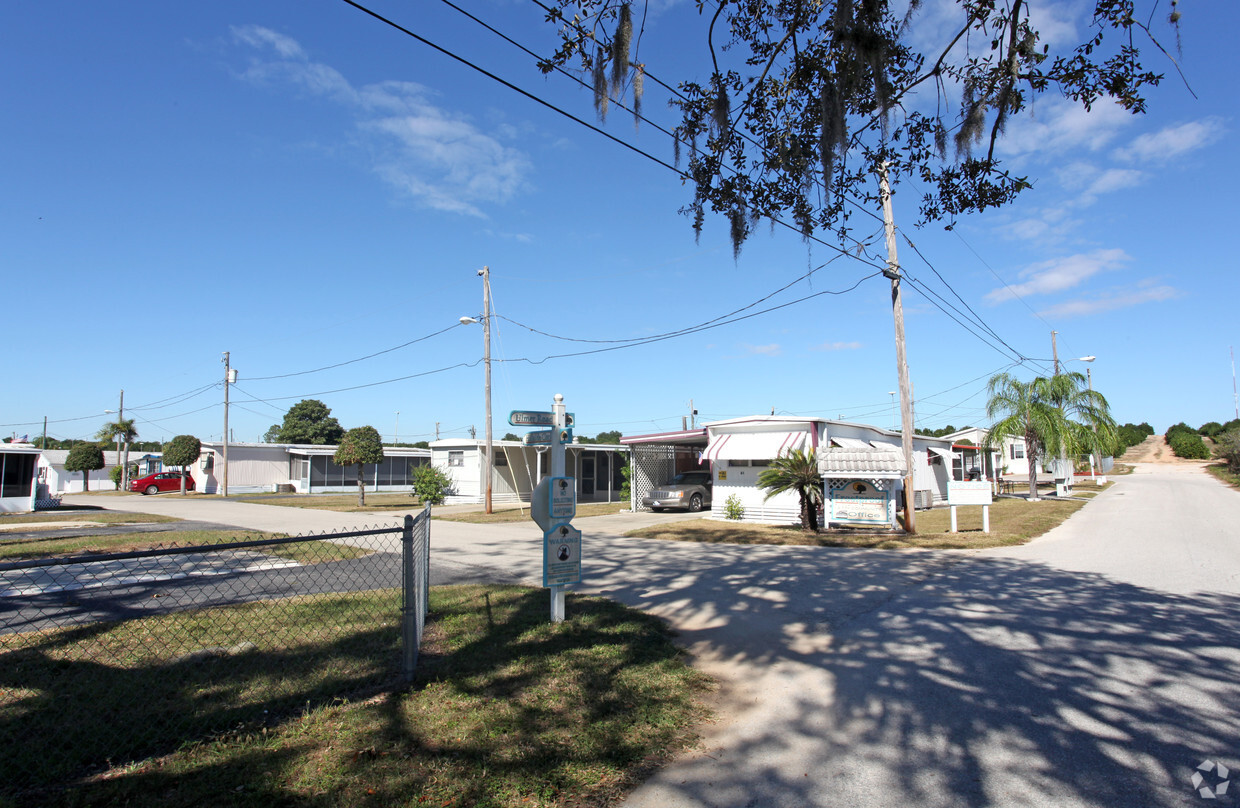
{"x":1154,"y":449}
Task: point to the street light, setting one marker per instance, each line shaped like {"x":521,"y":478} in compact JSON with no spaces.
{"x":485,"y":273}
{"x":396,"y":437}
{"x":892,"y":393}
{"x":1089,"y":377}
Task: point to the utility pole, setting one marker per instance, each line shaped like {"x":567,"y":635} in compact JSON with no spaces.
{"x":897,"y":309}
{"x":485,"y":272}
{"x":692,"y":415}
{"x":396,"y":437}
{"x":120,"y":418}
{"x":436,"y":430}
{"x":228,"y":377}
{"x":43,"y":443}
{"x":1055,"y":351}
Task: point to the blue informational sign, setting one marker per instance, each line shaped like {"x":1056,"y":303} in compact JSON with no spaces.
{"x":563,"y":493}
{"x":536,"y":418}
{"x":561,"y":556}
{"x":545,"y":437}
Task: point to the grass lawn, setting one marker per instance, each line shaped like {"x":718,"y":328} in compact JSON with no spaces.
{"x":314,"y":552}
{"x":1012,"y":521}
{"x":345,"y":503}
{"x":1220,"y":470}
{"x":68,"y":514}
{"x":523,"y":514}
{"x":506,"y":709}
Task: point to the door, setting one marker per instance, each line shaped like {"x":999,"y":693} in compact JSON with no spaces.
{"x":587,"y":475}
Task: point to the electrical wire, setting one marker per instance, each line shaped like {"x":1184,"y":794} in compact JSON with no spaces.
{"x":358,"y":359}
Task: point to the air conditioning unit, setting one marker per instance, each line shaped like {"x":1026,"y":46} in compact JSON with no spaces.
{"x":922,"y":500}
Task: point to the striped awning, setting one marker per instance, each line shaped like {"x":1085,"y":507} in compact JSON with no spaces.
{"x":752,"y":445}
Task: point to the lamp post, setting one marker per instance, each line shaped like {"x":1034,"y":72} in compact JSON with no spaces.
{"x":396,"y":437}
{"x":892,"y":393}
{"x":485,"y":273}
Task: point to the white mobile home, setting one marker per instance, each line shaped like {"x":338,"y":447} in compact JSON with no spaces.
{"x":739,"y":449}
{"x":261,"y":467}
{"x":517,"y":468}
{"x":18,"y":477}
{"x":54,"y":480}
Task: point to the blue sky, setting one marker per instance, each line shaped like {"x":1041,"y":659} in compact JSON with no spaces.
{"x":302,"y":186}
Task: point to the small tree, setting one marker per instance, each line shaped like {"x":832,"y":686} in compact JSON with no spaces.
{"x":1227,"y":447}
{"x":183,"y":451}
{"x":431,"y":485}
{"x":796,"y":471}
{"x":84,"y":457}
{"x":360,"y":445}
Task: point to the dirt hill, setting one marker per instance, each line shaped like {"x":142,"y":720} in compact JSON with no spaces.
{"x":1154,"y":449}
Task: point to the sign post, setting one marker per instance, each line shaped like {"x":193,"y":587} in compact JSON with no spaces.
{"x":554,"y":501}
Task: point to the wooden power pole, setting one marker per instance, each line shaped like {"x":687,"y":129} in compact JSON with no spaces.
{"x":897,"y":310}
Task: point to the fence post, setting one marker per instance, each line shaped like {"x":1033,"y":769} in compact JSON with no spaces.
{"x":409,"y":598}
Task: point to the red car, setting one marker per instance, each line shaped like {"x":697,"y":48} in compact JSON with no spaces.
{"x":161,"y":481}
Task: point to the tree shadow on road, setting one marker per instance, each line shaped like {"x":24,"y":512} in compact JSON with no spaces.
{"x":943,"y":679}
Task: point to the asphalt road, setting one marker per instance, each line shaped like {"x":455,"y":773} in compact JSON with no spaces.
{"x":1096,"y":666}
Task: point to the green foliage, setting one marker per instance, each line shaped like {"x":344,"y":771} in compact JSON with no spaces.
{"x":272,"y":435}
{"x":182,"y":451}
{"x":84,"y":457}
{"x":806,"y":85}
{"x":359,"y":445}
{"x":940,"y":432}
{"x":431,"y":485}
{"x":1187,"y":444}
{"x":1227,"y":447}
{"x":124,"y":429}
{"x":1056,"y":415}
{"x":733,"y":509}
{"x":611,"y":437}
{"x":511,"y":436}
{"x":626,"y":487}
{"x":1210,"y":429}
{"x":796,"y":471}
{"x":1130,"y":435}
{"x":310,"y":422}
{"x":115,"y":474}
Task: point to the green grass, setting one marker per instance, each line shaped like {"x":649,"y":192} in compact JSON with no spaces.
{"x":1012,"y":521}
{"x":1220,"y":470}
{"x":506,"y":709}
{"x":523,"y":514}
{"x":345,"y":503}
{"x":313,"y":552}
{"x":67,"y":514}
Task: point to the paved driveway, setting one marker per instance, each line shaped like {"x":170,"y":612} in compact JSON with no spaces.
{"x":1096,"y":666}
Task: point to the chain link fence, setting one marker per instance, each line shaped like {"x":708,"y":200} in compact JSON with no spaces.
{"x":113,"y":658}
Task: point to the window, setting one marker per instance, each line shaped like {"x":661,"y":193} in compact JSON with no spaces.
{"x":1018,"y":451}
{"x":760,"y":463}
{"x":456,"y":458}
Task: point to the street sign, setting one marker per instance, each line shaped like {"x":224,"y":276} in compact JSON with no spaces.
{"x":561,"y":556}
{"x":544,"y":437}
{"x":532,"y":418}
{"x":563,"y":498}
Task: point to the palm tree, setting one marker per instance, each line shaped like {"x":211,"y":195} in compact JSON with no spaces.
{"x":124,"y":430}
{"x":796,"y":471}
{"x":1058,"y":415}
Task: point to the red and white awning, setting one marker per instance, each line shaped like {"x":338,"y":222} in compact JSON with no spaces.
{"x":753,"y":445}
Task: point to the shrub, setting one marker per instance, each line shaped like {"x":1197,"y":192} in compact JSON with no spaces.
{"x":1188,"y":445}
{"x":1179,"y":429}
{"x":1227,"y":447}
{"x":115,"y":473}
{"x":626,"y":488}
{"x":1210,"y":429}
{"x":431,"y":485}
{"x":733,"y":509}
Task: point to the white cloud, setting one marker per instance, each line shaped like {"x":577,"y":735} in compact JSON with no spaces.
{"x":1055,"y":127}
{"x":1059,"y":274}
{"x":1172,"y":141}
{"x":432,"y":154}
{"x":1110,"y":301}
{"x":762,"y":350}
{"x":837,"y":346}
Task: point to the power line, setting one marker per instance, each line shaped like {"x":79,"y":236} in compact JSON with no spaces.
{"x":358,"y":359}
